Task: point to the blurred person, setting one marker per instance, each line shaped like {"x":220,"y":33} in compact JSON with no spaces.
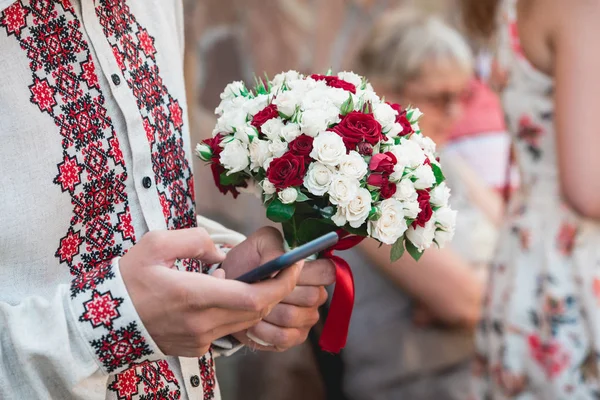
{"x":111,"y":287}
{"x":539,"y":336}
{"x":411,"y":335}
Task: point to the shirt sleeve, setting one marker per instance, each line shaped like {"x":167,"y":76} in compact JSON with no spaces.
{"x":49,"y":345}
{"x":225,"y":239}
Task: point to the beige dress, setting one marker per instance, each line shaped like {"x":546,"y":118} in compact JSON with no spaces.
{"x":539,"y":337}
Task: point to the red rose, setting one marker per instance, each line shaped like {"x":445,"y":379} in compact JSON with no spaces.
{"x":217,"y":169}
{"x":334,"y":81}
{"x":365,"y":149}
{"x":267,"y":113}
{"x":287,"y":170}
{"x":357,"y":127}
{"x":426,"y":210}
{"x":214,"y":144}
{"x":401,"y":119}
{"x":386,"y":188}
{"x":383,"y":162}
{"x":302,"y":145}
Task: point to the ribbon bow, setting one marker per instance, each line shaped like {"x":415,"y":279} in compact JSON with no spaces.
{"x":335,"y":332}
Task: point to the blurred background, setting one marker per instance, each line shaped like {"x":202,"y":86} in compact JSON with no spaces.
{"x":231,"y":40}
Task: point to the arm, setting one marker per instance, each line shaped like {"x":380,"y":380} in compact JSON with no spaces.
{"x":575,"y":28}
{"x":441,"y":281}
{"x":49,"y":345}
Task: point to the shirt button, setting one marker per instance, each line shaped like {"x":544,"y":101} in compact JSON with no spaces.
{"x":116,"y":80}
{"x":195,"y":381}
{"x":147,"y":182}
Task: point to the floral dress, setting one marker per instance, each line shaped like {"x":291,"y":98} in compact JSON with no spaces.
{"x":540,"y":333}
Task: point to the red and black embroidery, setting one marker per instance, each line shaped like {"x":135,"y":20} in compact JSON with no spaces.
{"x":135,"y":53}
{"x":91,"y":170}
{"x":155,"y":377}
{"x":101,"y":309}
{"x":207,"y":372}
{"x":121,"y":347}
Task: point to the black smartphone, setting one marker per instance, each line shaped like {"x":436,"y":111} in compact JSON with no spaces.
{"x":290,"y":258}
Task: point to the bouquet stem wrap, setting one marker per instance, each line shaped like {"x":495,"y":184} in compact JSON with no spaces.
{"x":335,"y":332}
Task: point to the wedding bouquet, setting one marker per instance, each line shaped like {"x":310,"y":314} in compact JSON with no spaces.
{"x":326,"y":153}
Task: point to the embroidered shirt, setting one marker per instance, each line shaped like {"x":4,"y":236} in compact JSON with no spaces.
{"x":94,"y":152}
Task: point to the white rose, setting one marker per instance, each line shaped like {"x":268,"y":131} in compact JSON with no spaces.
{"x":286,"y":77}
{"x":443,"y":237}
{"x":353,"y":165}
{"x":440,"y":195}
{"x":408,"y":154}
{"x":328,"y":148}
{"x":267,"y":163}
{"x":288,"y":195}
{"x":259,"y":153}
{"x":318,"y":178}
{"x":357,"y":211}
{"x":272,"y":128}
{"x":424,"y":177}
{"x":367,"y":96}
{"x":245,"y":134}
{"x":234,"y":156}
{"x":414,"y":115}
{"x":253,"y":106}
{"x":405,"y":190}
{"x":351,"y":77}
{"x":236,"y":103}
{"x":422,"y":237}
{"x":424,"y":142}
{"x":268,"y":187}
{"x":391,"y":225}
{"x":204,"y":151}
{"x":230,"y":120}
{"x":287,"y":102}
{"x":411,"y":209}
{"x":317,"y":120}
{"x":278,"y":147}
{"x":342,"y":189}
{"x":445,"y":218}
{"x":339,"y":96}
{"x":339,"y":218}
{"x":290,"y":132}
{"x":386,"y":116}
{"x":234,"y":89}
{"x":394,"y":131}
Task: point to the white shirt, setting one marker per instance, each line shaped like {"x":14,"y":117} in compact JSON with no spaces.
{"x":94,"y":152}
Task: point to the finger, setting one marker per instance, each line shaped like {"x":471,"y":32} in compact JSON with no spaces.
{"x":234,"y":295}
{"x":289,"y":316}
{"x":307,"y":296}
{"x":167,"y":246}
{"x":280,"y":338}
{"x":318,"y":273}
{"x":269,"y":243}
{"x":219,"y":273}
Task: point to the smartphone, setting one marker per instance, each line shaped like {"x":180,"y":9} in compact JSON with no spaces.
{"x":290,"y":258}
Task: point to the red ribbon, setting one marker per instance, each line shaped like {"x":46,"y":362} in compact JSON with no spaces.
{"x":335,"y":332}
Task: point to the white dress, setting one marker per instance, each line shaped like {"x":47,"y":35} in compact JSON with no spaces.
{"x":539,"y":336}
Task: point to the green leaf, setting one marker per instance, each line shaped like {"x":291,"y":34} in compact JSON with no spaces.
{"x":279,"y":212}
{"x":374,"y":214}
{"x":412,"y":250}
{"x":329,"y":72}
{"x":347,"y":106}
{"x":233,"y":179}
{"x":397,"y":250}
{"x":301,"y":197}
{"x":327,"y":213}
{"x":437,"y":172}
{"x":312,"y":228}
{"x":362,"y":231}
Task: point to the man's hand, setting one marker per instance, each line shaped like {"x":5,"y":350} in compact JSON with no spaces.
{"x":185,"y":312}
{"x":289,"y":322}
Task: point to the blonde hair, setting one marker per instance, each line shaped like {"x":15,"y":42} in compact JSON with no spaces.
{"x":403,"y":41}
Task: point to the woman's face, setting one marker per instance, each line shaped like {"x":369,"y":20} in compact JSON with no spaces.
{"x":439,"y":93}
